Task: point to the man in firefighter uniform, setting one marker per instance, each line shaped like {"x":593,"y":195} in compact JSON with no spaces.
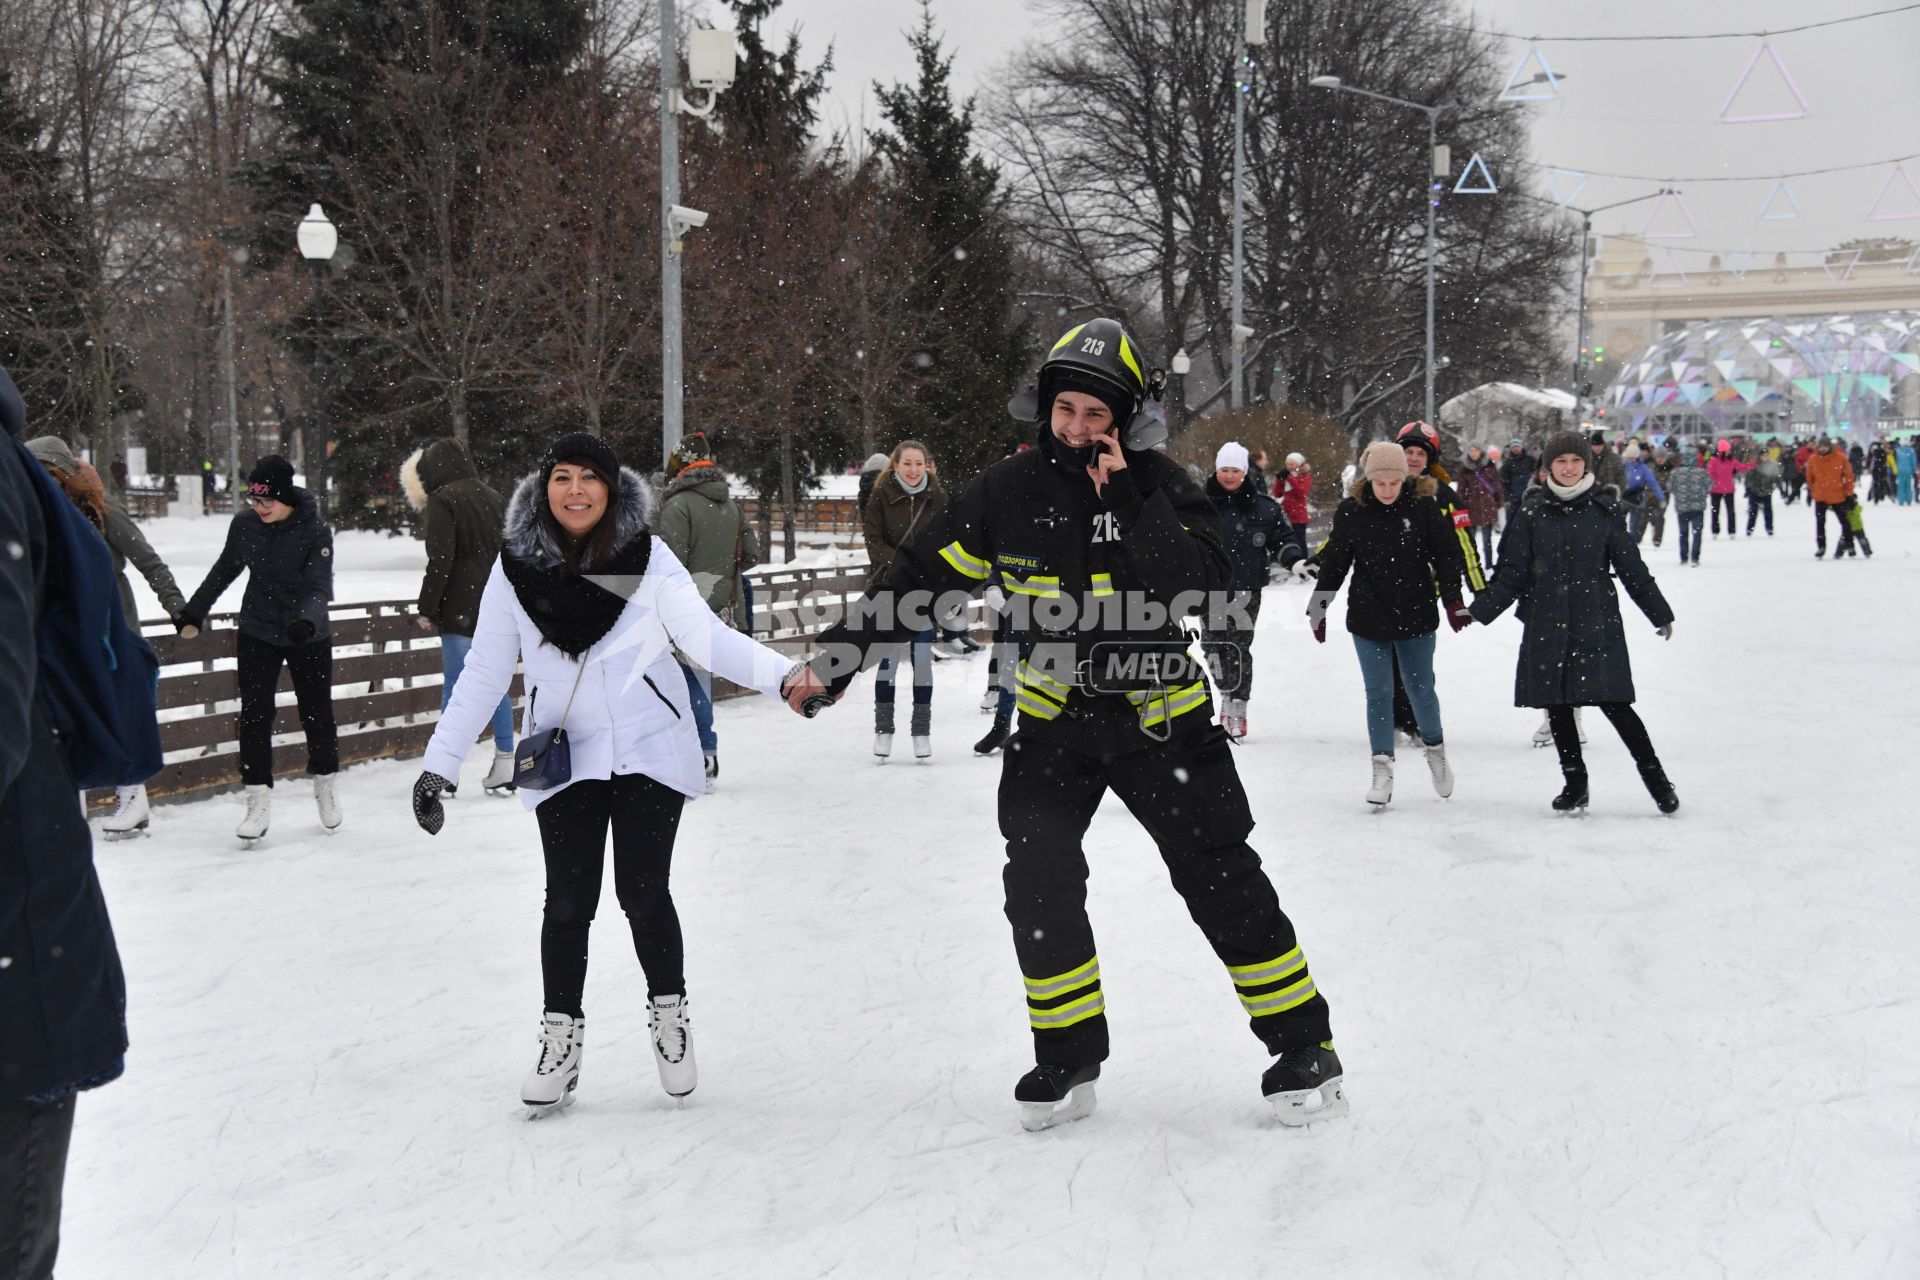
{"x":1110,"y":548}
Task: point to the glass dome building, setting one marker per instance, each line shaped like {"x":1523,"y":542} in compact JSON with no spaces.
{"x":1802,"y":374}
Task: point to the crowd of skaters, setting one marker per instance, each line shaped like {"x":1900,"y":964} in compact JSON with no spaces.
{"x":1408,"y":542}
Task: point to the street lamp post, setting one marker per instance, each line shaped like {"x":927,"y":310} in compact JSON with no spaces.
{"x":318,"y":239}
{"x":1436,"y":170}
{"x":710,"y":66}
{"x":1580,"y":316}
{"x":1253,"y":34}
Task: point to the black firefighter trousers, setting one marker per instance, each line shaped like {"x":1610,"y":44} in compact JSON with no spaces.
{"x":1187,"y":794}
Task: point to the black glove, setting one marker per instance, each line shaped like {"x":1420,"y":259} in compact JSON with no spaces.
{"x":301,"y":631}
{"x":426,"y":802}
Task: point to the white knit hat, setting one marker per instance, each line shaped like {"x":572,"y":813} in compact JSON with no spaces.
{"x":1232,"y":454}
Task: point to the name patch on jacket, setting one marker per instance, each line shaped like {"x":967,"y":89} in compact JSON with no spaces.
{"x":1022,"y":565}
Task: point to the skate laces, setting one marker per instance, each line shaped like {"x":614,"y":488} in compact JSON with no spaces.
{"x":555,"y":1044}
{"x":670,"y":1031}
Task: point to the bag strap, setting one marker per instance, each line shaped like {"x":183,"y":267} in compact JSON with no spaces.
{"x":576,"y":689}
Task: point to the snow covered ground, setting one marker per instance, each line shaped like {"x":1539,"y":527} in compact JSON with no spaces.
{"x":1624,"y":1046}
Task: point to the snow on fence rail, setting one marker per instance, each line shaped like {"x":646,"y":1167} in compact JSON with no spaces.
{"x":387,"y":678}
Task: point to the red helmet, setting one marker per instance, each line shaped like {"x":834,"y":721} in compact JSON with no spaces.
{"x":1419,"y":433}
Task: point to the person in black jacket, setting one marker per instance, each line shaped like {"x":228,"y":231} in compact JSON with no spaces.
{"x":1558,"y":561}
{"x":462,"y":517}
{"x":63,"y":997}
{"x":282,"y":545}
{"x":1403,"y":552}
{"x":1108,"y":550}
{"x":1250,"y":525}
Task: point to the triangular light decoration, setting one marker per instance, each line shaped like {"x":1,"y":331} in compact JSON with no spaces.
{"x":1749,"y":389}
{"x":1488,"y":188}
{"x":1667,"y":273}
{"x":1671,"y":213}
{"x":1848,"y":260}
{"x":1780,"y":205}
{"x":1530,"y":89}
{"x":1762,"y":117}
{"x":1565,"y":189}
{"x":1726,"y":368}
{"x":1905,"y":203}
{"x":1740,"y":263}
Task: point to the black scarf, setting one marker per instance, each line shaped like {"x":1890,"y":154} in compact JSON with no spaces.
{"x":574,"y":612}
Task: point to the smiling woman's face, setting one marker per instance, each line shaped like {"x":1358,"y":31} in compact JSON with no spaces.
{"x":577,"y":496}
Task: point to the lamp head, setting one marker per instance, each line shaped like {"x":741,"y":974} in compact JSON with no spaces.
{"x":317,"y":236}
{"x":1325,"y":82}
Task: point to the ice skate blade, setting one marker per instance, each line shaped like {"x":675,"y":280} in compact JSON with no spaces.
{"x":537,"y":1109}
{"x":137,"y":833}
{"x":1036,"y":1117}
{"x":1296,"y":1109}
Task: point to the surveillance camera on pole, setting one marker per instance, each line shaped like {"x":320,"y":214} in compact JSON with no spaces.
{"x":681,"y":219}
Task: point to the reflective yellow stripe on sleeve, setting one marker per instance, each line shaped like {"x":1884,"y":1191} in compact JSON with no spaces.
{"x":1103,"y":584}
{"x":964,"y":561}
{"x":1046,"y":587}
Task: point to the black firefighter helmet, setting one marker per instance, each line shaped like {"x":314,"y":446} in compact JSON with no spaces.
{"x":1098,"y":359}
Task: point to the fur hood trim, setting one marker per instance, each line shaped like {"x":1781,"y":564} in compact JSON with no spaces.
{"x":529,"y":540}
{"x":1423,"y":487}
{"x":410,"y":482}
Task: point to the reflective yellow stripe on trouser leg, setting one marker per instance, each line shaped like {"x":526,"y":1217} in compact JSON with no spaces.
{"x":1065,"y":998}
{"x":1273,"y":986}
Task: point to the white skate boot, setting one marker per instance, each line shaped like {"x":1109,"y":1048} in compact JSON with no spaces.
{"x":327,"y":799}
{"x":1442,"y":772}
{"x":1233,"y":718}
{"x":129,"y":817}
{"x":499,"y":778}
{"x":1381,"y":792}
{"x":713,"y":770}
{"x":555,"y":1076}
{"x":259,"y":814}
{"x":672,"y":1044}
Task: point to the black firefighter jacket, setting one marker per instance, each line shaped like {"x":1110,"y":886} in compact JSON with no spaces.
{"x":1091,"y":569}
{"x":1402,"y":556}
{"x":289,"y":568}
{"x":1554,"y":562}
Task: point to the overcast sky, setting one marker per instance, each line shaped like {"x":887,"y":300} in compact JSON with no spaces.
{"x":1638,"y":108}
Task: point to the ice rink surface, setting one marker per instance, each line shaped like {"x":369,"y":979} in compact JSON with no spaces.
{"x":1617,"y":1046}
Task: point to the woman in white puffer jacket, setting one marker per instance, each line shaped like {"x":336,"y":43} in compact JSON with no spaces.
{"x":594,"y":604}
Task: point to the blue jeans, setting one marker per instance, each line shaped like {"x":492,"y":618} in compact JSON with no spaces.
{"x":921,"y":647}
{"x":700,"y":696}
{"x":453,"y":657}
{"x":1416,"y":672}
{"x":1691,"y":524}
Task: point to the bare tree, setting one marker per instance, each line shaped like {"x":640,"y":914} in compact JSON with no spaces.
{"x":1120,"y":137}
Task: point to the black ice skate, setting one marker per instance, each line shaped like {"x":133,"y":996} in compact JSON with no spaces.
{"x":1042,"y":1091}
{"x":1305,"y":1085}
{"x":1573,"y":796}
{"x":1660,"y":789}
{"x":996,"y":736}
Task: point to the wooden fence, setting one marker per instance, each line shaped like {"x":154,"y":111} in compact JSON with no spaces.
{"x":839,"y":517}
{"x":387,"y":679}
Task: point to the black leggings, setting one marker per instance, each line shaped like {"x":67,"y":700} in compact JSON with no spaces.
{"x":645,"y":816}
{"x":1625,"y":721}
{"x":311,"y":666}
